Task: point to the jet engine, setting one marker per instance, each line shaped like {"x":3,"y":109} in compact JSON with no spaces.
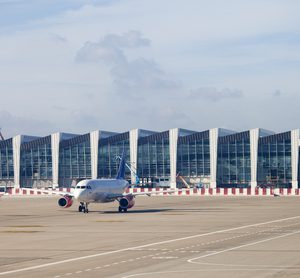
{"x":127,"y":202}
{"x":65,"y":201}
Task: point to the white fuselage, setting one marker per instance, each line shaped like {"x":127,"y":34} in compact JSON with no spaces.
{"x":99,"y":190}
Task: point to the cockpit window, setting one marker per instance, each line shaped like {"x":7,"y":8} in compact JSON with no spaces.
{"x":83,"y":187}
{"x":88,"y":187}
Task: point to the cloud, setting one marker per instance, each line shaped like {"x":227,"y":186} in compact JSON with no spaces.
{"x":13,"y":125}
{"x":161,"y":118}
{"x":214,"y":95}
{"x":57,"y":38}
{"x":134,"y":79}
{"x":131,"y":39}
{"x":109,"y":49}
{"x":98,"y":52}
{"x":277,"y":93}
{"x":130,"y":77}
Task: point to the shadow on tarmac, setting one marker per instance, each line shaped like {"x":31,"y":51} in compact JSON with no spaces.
{"x":169,"y":210}
{"x":136,"y":211}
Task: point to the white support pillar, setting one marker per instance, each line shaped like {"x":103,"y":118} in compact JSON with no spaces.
{"x":94,"y":140}
{"x":133,"y":143}
{"x":17,"y":156}
{"x":55,"y":139}
{"x":173,"y":139}
{"x":254,"y":136}
{"x":213,"y":150}
{"x":295,"y":156}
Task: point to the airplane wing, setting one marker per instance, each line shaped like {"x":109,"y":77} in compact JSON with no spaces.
{"x":118,"y":196}
{"x":53,"y":192}
{"x":151,"y":193}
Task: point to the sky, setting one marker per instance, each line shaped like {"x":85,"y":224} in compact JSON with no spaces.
{"x":77,"y":66}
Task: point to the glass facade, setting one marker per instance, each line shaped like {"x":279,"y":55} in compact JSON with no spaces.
{"x":6,"y":162}
{"x":108,"y":150}
{"x":152,"y":166}
{"x":234,"y":165}
{"x":153,"y":161}
{"x":36,"y":163}
{"x":193,"y":157}
{"x":74,"y":160}
{"x":274,"y":167}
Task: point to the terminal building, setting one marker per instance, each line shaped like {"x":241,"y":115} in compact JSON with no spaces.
{"x":215,"y":158}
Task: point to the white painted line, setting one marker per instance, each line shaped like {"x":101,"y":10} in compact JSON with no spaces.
{"x":239,"y":247}
{"x":155,"y":274}
{"x":143,"y":246}
{"x":164,"y":258}
{"x":272,"y":267}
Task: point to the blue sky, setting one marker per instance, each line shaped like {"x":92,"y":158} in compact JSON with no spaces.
{"x":79,"y":65}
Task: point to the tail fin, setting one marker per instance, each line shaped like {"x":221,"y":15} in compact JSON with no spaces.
{"x":121,"y":171}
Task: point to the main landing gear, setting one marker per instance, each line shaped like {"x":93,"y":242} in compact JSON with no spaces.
{"x":122,"y":209}
{"x":83,"y":208}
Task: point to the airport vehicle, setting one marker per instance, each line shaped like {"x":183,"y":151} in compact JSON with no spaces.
{"x":101,"y":191}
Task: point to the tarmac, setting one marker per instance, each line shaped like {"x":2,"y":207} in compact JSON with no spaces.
{"x":159,"y":237}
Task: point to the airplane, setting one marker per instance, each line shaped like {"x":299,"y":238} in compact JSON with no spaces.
{"x":101,"y":191}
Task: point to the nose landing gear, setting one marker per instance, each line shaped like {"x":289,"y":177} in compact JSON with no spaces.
{"x":83,"y":207}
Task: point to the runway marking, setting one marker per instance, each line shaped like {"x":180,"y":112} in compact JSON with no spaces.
{"x":143,"y":246}
{"x":253,"y":265}
{"x":207,"y":251}
{"x":239,"y":247}
{"x":164,"y":258}
{"x":198,"y":270}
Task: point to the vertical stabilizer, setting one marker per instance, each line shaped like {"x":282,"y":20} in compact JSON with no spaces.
{"x":121,"y":171}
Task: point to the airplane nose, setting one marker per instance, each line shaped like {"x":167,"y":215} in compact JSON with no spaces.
{"x":78,"y":194}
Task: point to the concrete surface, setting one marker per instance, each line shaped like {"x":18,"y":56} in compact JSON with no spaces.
{"x":159,"y":237}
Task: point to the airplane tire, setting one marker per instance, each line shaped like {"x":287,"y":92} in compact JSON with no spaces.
{"x":80,"y":208}
{"x":120,"y":209}
{"x":125,"y":210}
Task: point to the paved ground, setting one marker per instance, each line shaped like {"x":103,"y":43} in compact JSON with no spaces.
{"x":159,"y":237}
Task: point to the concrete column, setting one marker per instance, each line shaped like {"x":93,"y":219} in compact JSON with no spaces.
{"x":55,"y":139}
{"x":295,"y":156}
{"x":133,"y":143}
{"x":17,"y":157}
{"x":173,"y":139}
{"x":94,"y":140}
{"x":213,"y":149}
{"x":254,"y":136}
